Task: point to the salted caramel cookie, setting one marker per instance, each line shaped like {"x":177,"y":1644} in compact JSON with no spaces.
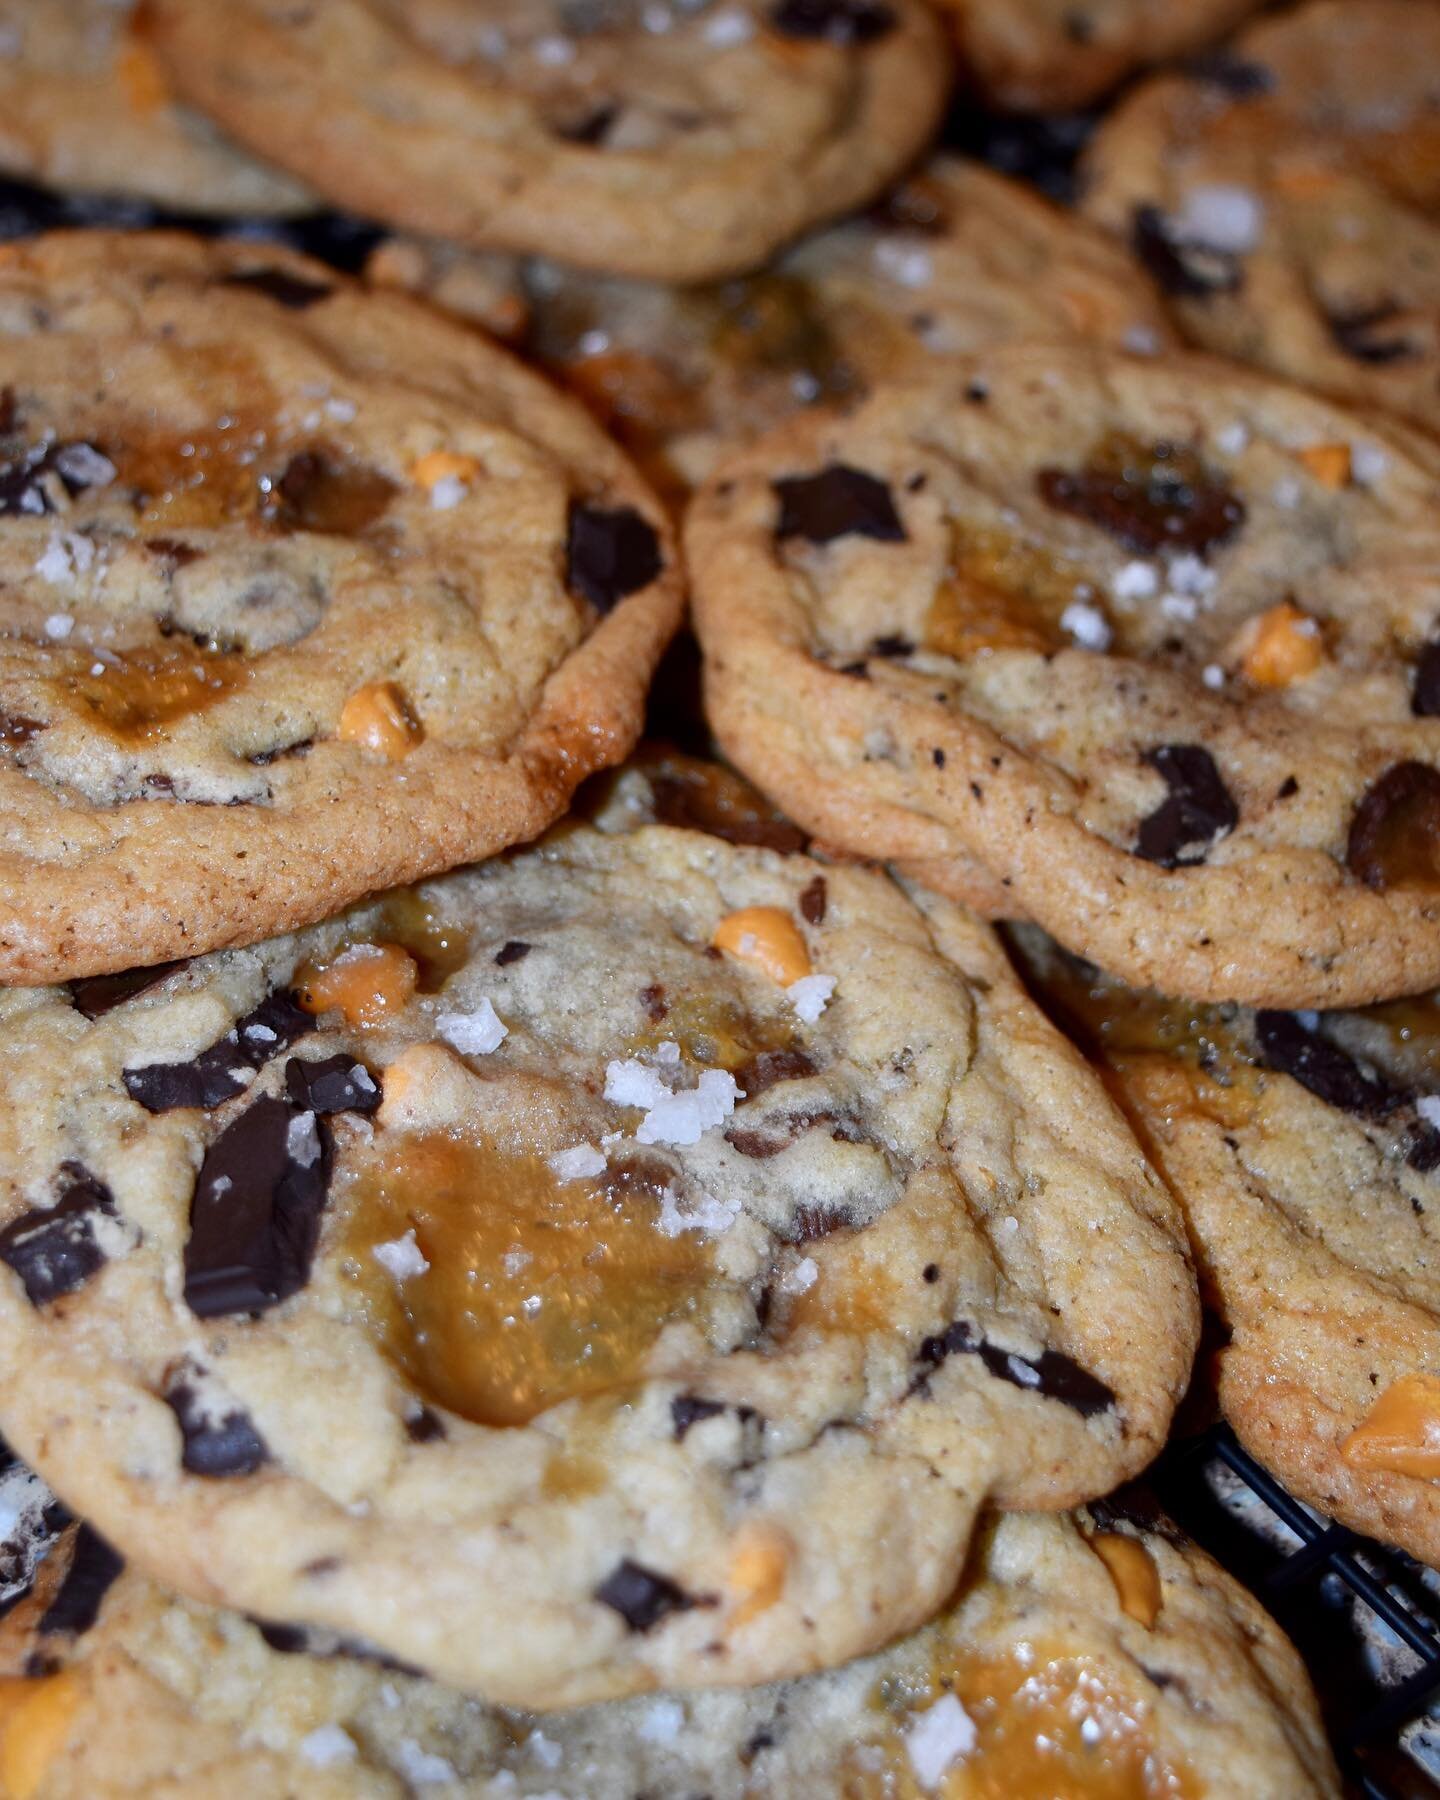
{"x":659,"y":1245}
{"x":678,"y":142}
{"x":1285,"y":196}
{"x":84,"y":106}
{"x":307,"y":591}
{"x":1304,"y":1149}
{"x":1086,"y":1653}
{"x":956,"y":259}
{"x":1145,"y":650}
{"x":1047,"y":55}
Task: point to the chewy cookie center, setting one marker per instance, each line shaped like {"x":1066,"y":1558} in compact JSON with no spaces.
{"x":502,"y":1289}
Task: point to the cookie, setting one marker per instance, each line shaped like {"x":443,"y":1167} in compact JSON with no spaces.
{"x":802,"y":1233}
{"x":1304,"y":1150}
{"x":1283,"y":196}
{"x":1093,"y":1650}
{"x":956,"y":259}
{"x":676,"y":142}
{"x":307,"y":591}
{"x":1144,"y":650}
{"x":84,"y":106}
{"x":1047,"y":55}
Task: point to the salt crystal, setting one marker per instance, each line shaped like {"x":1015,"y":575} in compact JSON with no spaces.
{"x":1022,"y":1373}
{"x":474,"y":1033}
{"x":707,"y":1214}
{"x":58,"y":625}
{"x":1179,"y":606}
{"x":1220,"y":217}
{"x":326,"y":1745}
{"x":1135,"y":581}
{"x":904,"y":263}
{"x":939,"y":1736}
{"x":1428,"y":1107}
{"x":662,"y":1722}
{"x":553,"y":51}
{"x":668,"y":1053}
{"x":801,"y":1278}
{"x":578,"y":1163}
{"x":681,"y":1118}
{"x":1141,"y":340}
{"x":1286,"y":492}
{"x":1368,"y":463}
{"x":421,"y":1767}
{"x":302,"y":1140}
{"x":402,"y":1257}
{"x":545,"y":1750}
{"x":728,"y":27}
{"x":448,"y":491}
{"x":1187,"y":574}
{"x":633,"y":1083}
{"x":513,"y":1261}
{"x":1232,"y":439}
{"x":1087,"y":625}
{"x":1213,"y":676}
{"x":84,"y":466}
{"x":810,"y":995}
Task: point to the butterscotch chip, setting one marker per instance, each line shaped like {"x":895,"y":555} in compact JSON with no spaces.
{"x":252,"y":665}
{"x":1082,"y":637}
{"x":501,"y":1249}
{"x":679,"y":154}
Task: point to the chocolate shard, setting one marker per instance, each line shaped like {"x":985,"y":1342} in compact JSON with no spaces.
{"x":1396,"y":827}
{"x":844,"y":22}
{"x":512,"y":951}
{"x":425,"y":1427}
{"x":1236,"y":76}
{"x":95,"y":995}
{"x":1184,"y":271}
{"x":54,"y":1251}
{"x":610,"y":552}
{"x":1291,"y":1047}
{"x":294,"y":292}
{"x":1052,"y":1374}
{"x":93,"y":1569}
{"x":214,"y":1443}
{"x":641,"y":1596}
{"x":333,"y":1084}
{"x":689,"y":1409}
{"x":813,"y":900}
{"x":255,"y":1215}
{"x":1198,"y":810}
{"x":224,"y":1070}
{"x":1135,"y":1504}
{"x":837,"y":502}
{"x":1373,"y":334}
{"x":1425,"y":694}
{"x":1424,"y":1153}
{"x":315,"y":1640}
{"x":1151,"y":498}
{"x":769,"y":1067}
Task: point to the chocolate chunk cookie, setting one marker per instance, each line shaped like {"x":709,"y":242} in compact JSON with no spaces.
{"x":85,"y":106}
{"x":1047,"y":55}
{"x":1077,"y":1647}
{"x":1139,"y":649}
{"x":677,"y":141}
{"x":1304,"y":1148}
{"x":661,"y":1245}
{"x":306,"y":591}
{"x":1286,"y":199}
{"x":956,"y":259}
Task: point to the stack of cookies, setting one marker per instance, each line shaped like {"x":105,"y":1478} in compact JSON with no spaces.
{"x":541,"y":1266}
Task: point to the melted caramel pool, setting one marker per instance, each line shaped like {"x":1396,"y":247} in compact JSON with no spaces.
{"x":538,"y":1290}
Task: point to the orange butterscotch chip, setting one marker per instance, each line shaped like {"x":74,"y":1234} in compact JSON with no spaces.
{"x":1328,"y":463}
{"x":1280,"y":647}
{"x":377,"y":718}
{"x":757,"y":1573}
{"x":35,"y":1715}
{"x":767,"y":937}
{"x":368,"y":983}
{"x":1400,"y":1434}
{"x":142,"y":80}
{"x":435,"y":466}
{"x":1132,"y":1569}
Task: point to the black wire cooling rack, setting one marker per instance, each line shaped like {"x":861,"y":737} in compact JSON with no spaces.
{"x":1366,"y":1619}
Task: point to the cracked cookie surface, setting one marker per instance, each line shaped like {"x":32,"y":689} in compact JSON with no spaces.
{"x":662,"y":1245}
{"x":1142,"y":649}
{"x":678,"y":142}
{"x":308,"y":591}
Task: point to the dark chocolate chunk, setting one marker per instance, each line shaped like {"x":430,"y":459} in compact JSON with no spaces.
{"x":93,"y":1569}
{"x":22,"y":489}
{"x":610,"y":552}
{"x":689,"y":1409}
{"x":640,"y":1596}
{"x":1424,"y":1153}
{"x":54,"y":1251}
{"x":334,"y":1084}
{"x":813,"y":901}
{"x":320,"y":491}
{"x":282,"y":286}
{"x":687,"y":799}
{"x":653,"y":1002}
{"x":222,"y":1071}
{"x":1396,"y":828}
{"x":1184,"y":271}
{"x":1134,"y":1504}
{"x":315,"y":1640}
{"x":1150,"y":498}
{"x":892,"y":646}
{"x":1198,"y":810}
{"x":425,"y":1427}
{"x":1372,"y":334}
{"x":1051,"y":1374}
{"x":227,"y":1445}
{"x":1330,"y":1073}
{"x":1237,"y":76}
{"x":769,"y":1067}
{"x":35,"y":1520}
{"x":837,"y":502}
{"x":589,"y":127}
{"x":516,"y":950}
{"x":1425,"y":694}
{"x":836,"y":21}
{"x":255,"y":1215}
{"x":94,"y":995}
